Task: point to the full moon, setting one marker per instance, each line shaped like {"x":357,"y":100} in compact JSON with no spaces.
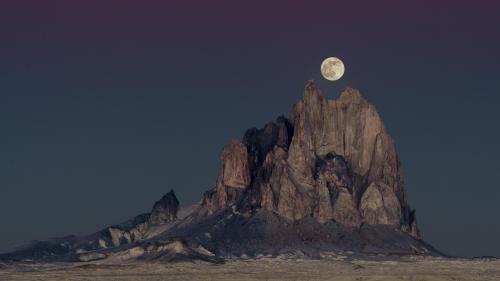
{"x":332,"y":68}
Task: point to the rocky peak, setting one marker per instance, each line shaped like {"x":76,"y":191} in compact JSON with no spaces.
{"x":331,"y":159}
{"x":165,"y":209}
{"x":351,"y":96}
{"x":260,"y":141}
{"x":233,"y":178}
{"x":312,"y":96}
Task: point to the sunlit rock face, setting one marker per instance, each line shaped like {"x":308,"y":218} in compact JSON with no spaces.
{"x":233,"y":179}
{"x":330,"y":159}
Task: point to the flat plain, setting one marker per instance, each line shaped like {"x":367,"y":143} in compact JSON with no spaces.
{"x":407,"y":268}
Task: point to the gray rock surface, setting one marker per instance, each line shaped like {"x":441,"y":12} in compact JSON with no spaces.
{"x":165,"y":209}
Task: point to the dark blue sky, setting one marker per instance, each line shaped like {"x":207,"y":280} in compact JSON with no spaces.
{"x":106,"y":105}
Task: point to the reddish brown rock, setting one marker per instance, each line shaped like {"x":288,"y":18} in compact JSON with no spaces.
{"x":372,"y":206}
{"x":344,"y":209}
{"x":331,"y":159}
{"x":235,"y":171}
{"x":234,"y":177}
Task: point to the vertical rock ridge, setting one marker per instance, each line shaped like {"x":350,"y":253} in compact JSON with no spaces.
{"x":233,"y":178}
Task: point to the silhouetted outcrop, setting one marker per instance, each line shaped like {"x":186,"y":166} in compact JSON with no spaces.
{"x":165,"y":209}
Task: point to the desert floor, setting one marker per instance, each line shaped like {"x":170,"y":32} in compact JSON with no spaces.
{"x":264,"y":269}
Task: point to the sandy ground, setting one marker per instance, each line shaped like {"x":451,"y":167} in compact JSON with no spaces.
{"x":415,"y":269}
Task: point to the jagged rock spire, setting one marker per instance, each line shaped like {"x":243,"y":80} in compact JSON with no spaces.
{"x":331,"y":159}
{"x":165,"y":209}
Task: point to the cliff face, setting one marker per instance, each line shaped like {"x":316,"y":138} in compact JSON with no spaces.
{"x":330,"y":159}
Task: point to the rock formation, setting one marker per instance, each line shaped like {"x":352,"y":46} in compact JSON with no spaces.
{"x":234,"y":177}
{"x":326,"y":178}
{"x":165,"y":209}
{"x":330,"y":159}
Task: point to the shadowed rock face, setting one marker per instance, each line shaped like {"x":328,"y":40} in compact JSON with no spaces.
{"x":165,"y":209}
{"x":331,"y":159}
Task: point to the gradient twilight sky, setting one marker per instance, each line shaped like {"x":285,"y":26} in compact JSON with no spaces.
{"x":106,"y":105}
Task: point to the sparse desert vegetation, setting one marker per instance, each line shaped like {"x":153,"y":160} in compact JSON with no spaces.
{"x":406,"y":268}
